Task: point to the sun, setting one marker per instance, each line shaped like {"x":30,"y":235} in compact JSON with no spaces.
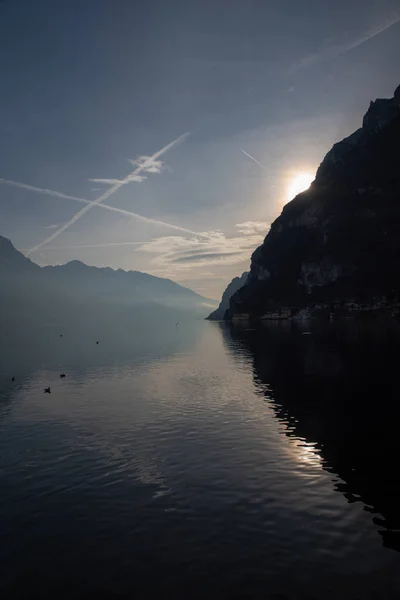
{"x":300,"y":183}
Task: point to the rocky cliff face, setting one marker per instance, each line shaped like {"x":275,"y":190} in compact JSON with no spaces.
{"x":338,"y":242}
{"x":234,"y":286}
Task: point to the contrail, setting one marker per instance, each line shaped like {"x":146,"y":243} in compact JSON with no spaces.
{"x":114,"y":188}
{"x":369,"y":36}
{"x":333,"y":51}
{"x":137,"y":178}
{"x":255,"y":160}
{"x":128,"y":213}
{"x":46,"y":191}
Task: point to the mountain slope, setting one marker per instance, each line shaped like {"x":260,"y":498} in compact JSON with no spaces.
{"x":12,"y":261}
{"x":339,"y":241}
{"x":234,"y":286}
{"x":126,"y":287}
{"x":32,"y":293}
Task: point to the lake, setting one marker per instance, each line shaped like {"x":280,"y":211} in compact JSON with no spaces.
{"x":203,"y":461}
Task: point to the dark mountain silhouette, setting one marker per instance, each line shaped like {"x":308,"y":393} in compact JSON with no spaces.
{"x":234,"y":286}
{"x":32,"y":295}
{"x":339,"y":241}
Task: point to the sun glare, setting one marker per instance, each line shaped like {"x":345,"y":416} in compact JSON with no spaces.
{"x":300,"y":183}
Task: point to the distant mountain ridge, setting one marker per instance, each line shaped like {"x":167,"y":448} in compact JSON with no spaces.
{"x":30,"y":291}
{"x":232,"y":287}
{"x":127,"y":286}
{"x":336,"y":246}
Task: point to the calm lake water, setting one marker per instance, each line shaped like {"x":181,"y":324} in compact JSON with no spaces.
{"x":202,"y":461}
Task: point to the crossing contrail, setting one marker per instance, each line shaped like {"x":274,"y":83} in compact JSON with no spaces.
{"x":114,"y":188}
{"x":128,"y":213}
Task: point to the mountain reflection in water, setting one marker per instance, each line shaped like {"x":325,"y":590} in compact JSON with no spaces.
{"x":337,"y":390}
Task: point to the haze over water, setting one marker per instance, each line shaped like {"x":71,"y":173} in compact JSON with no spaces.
{"x":206,"y":462}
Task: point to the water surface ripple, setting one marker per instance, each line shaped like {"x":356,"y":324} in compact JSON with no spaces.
{"x":230,"y":463}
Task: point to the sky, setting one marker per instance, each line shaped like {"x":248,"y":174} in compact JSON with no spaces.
{"x":166,"y":136}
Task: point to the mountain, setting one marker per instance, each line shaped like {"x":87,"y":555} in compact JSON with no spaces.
{"x":234,"y":286}
{"x":328,"y":401}
{"x":12,"y":261}
{"x":123,"y":287}
{"x":336,"y":246}
{"x":76,"y":292}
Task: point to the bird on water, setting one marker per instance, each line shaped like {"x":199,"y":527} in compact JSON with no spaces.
{"x":47,"y":390}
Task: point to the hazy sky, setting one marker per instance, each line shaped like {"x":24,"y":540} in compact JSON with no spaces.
{"x":89,"y":84}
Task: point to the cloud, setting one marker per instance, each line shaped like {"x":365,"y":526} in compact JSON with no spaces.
{"x":52,"y":226}
{"x":112,"y":190}
{"x":144,"y":164}
{"x":208,"y":256}
{"x":62,"y":196}
{"x":148,"y":164}
{"x":253,"y":227}
{"x":137,"y":178}
{"x":181,"y":253}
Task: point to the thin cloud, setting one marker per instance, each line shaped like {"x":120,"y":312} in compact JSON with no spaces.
{"x":207,"y":256}
{"x":112,"y":190}
{"x":253,"y":227}
{"x":52,"y":226}
{"x":180,"y":253}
